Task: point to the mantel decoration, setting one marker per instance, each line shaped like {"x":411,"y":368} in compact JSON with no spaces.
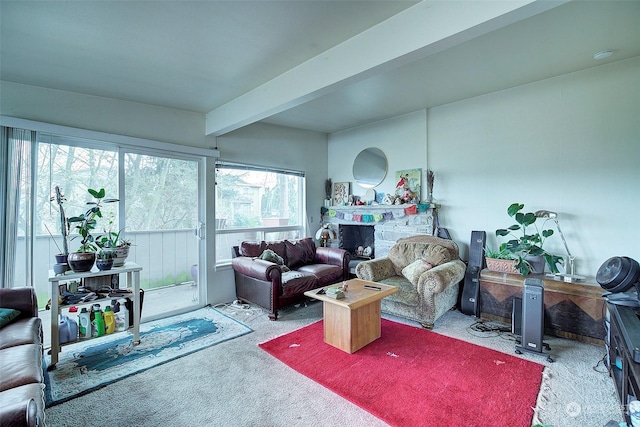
{"x":341,"y":191}
{"x":430,"y":179}
{"x":525,"y":248}
{"x":408,"y":185}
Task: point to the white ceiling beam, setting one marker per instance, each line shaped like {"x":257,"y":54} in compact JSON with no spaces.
{"x":419,"y":31}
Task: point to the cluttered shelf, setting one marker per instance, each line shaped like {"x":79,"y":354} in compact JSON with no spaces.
{"x":60,"y":292}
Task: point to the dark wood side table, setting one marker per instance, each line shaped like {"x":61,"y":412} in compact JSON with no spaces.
{"x":572,"y":310}
{"x":623,"y":354}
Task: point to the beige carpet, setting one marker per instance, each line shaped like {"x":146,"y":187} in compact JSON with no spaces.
{"x":237,"y":384}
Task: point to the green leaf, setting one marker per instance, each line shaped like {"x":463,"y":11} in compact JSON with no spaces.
{"x":547,"y":233}
{"x":502,"y":232}
{"x":511,"y":210}
{"x":97,"y":194}
{"x":528,"y":219}
{"x":514,"y":227}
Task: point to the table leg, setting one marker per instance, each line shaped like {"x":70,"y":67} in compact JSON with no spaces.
{"x":55,"y":337}
{"x":136,"y":305}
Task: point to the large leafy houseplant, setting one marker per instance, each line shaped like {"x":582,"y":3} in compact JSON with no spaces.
{"x":529,"y":243}
{"x":85,"y":223}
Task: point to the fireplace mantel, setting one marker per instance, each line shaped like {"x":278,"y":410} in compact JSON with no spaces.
{"x":394,"y":224}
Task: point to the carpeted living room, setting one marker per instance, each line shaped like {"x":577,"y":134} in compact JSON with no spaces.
{"x":237,"y":383}
{"x":362,"y":213}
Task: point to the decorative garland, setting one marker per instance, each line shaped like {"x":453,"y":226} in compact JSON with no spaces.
{"x":385,"y":216}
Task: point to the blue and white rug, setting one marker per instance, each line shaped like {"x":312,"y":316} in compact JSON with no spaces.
{"x":88,"y":365}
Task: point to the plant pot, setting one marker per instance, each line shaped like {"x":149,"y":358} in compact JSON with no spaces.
{"x":81,"y":261}
{"x":537,"y":264}
{"x":61,"y":258}
{"x":121,"y":256}
{"x":104,"y":264}
{"x":502,"y":265}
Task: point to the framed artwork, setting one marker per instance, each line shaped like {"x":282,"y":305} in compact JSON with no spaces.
{"x":408,"y":185}
{"x":341,"y":191}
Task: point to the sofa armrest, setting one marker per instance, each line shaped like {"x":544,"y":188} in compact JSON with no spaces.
{"x":19,"y":414}
{"x":375,"y":270}
{"x":256,"y":268}
{"x":333,"y":256}
{"x":441,"y":277}
{"x":22,"y":299}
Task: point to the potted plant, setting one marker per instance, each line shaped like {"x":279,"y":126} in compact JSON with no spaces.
{"x":84,"y":224}
{"x":525,"y":248}
{"x":105,"y":258}
{"x":113,"y":240}
{"x":500,"y":260}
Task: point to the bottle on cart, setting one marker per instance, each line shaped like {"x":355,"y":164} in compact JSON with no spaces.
{"x":109,"y":320}
{"x":84,"y":324}
{"x":98,"y":322}
{"x":122,"y":316}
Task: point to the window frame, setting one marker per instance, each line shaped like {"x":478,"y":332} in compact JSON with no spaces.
{"x":261,"y":232}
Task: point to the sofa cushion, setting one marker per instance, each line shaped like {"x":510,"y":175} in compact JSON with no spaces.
{"x":299,"y":252}
{"x":22,"y":331}
{"x":404,"y":253}
{"x":436,"y":255}
{"x":271,"y":256}
{"x":255,"y":249}
{"x":414,"y":270}
{"x":297,"y":282}
{"x":20,"y":365}
{"x":7,"y":315}
{"x":251,"y":249}
{"x":326,"y":273}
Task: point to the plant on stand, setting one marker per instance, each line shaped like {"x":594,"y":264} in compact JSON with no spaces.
{"x":525,"y":248}
{"x":119,"y":245}
{"x":84,"y":224}
{"x":105,"y":258}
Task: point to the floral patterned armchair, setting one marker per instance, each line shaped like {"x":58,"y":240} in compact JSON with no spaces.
{"x":427,"y":271}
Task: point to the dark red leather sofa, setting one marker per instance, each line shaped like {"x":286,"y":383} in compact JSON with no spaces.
{"x":270,"y":286}
{"x":21,"y":376}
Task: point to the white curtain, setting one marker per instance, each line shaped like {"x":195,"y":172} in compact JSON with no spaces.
{"x":16,"y":186}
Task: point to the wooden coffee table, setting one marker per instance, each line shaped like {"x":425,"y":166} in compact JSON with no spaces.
{"x":352,"y":322}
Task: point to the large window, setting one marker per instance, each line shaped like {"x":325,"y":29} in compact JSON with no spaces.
{"x":157,"y":210}
{"x":254,"y":203}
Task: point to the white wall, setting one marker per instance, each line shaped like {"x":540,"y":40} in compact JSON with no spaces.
{"x":570,"y":144}
{"x":402,"y":139}
{"x":103,"y":114}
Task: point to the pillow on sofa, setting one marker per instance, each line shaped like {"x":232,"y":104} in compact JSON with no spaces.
{"x":414,"y":270}
{"x":300,"y":252}
{"x":271,"y":256}
{"x":7,"y":315}
{"x":436,"y":255}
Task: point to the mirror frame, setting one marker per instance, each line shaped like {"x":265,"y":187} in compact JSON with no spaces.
{"x":370,"y":167}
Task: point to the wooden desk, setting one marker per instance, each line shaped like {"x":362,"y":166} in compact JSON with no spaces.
{"x":352,"y":322}
{"x":572,"y":310}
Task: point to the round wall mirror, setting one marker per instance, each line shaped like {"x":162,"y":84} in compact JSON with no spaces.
{"x":370,"y":167}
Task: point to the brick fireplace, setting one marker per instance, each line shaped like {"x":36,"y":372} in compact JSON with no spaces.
{"x":383,"y":227}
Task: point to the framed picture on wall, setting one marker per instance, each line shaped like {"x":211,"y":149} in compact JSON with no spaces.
{"x":341,"y":191}
{"x":408,"y":185}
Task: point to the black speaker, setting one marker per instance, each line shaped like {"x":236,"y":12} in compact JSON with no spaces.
{"x":533,"y":318}
{"x":470,"y":301}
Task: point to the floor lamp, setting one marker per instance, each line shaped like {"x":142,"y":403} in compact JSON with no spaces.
{"x":569,"y":274}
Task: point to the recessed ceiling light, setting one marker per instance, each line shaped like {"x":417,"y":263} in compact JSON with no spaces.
{"x":602,"y":54}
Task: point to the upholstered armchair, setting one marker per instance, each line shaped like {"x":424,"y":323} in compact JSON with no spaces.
{"x":427,"y":271}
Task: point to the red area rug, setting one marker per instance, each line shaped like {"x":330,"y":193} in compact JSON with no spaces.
{"x":414,"y":377}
